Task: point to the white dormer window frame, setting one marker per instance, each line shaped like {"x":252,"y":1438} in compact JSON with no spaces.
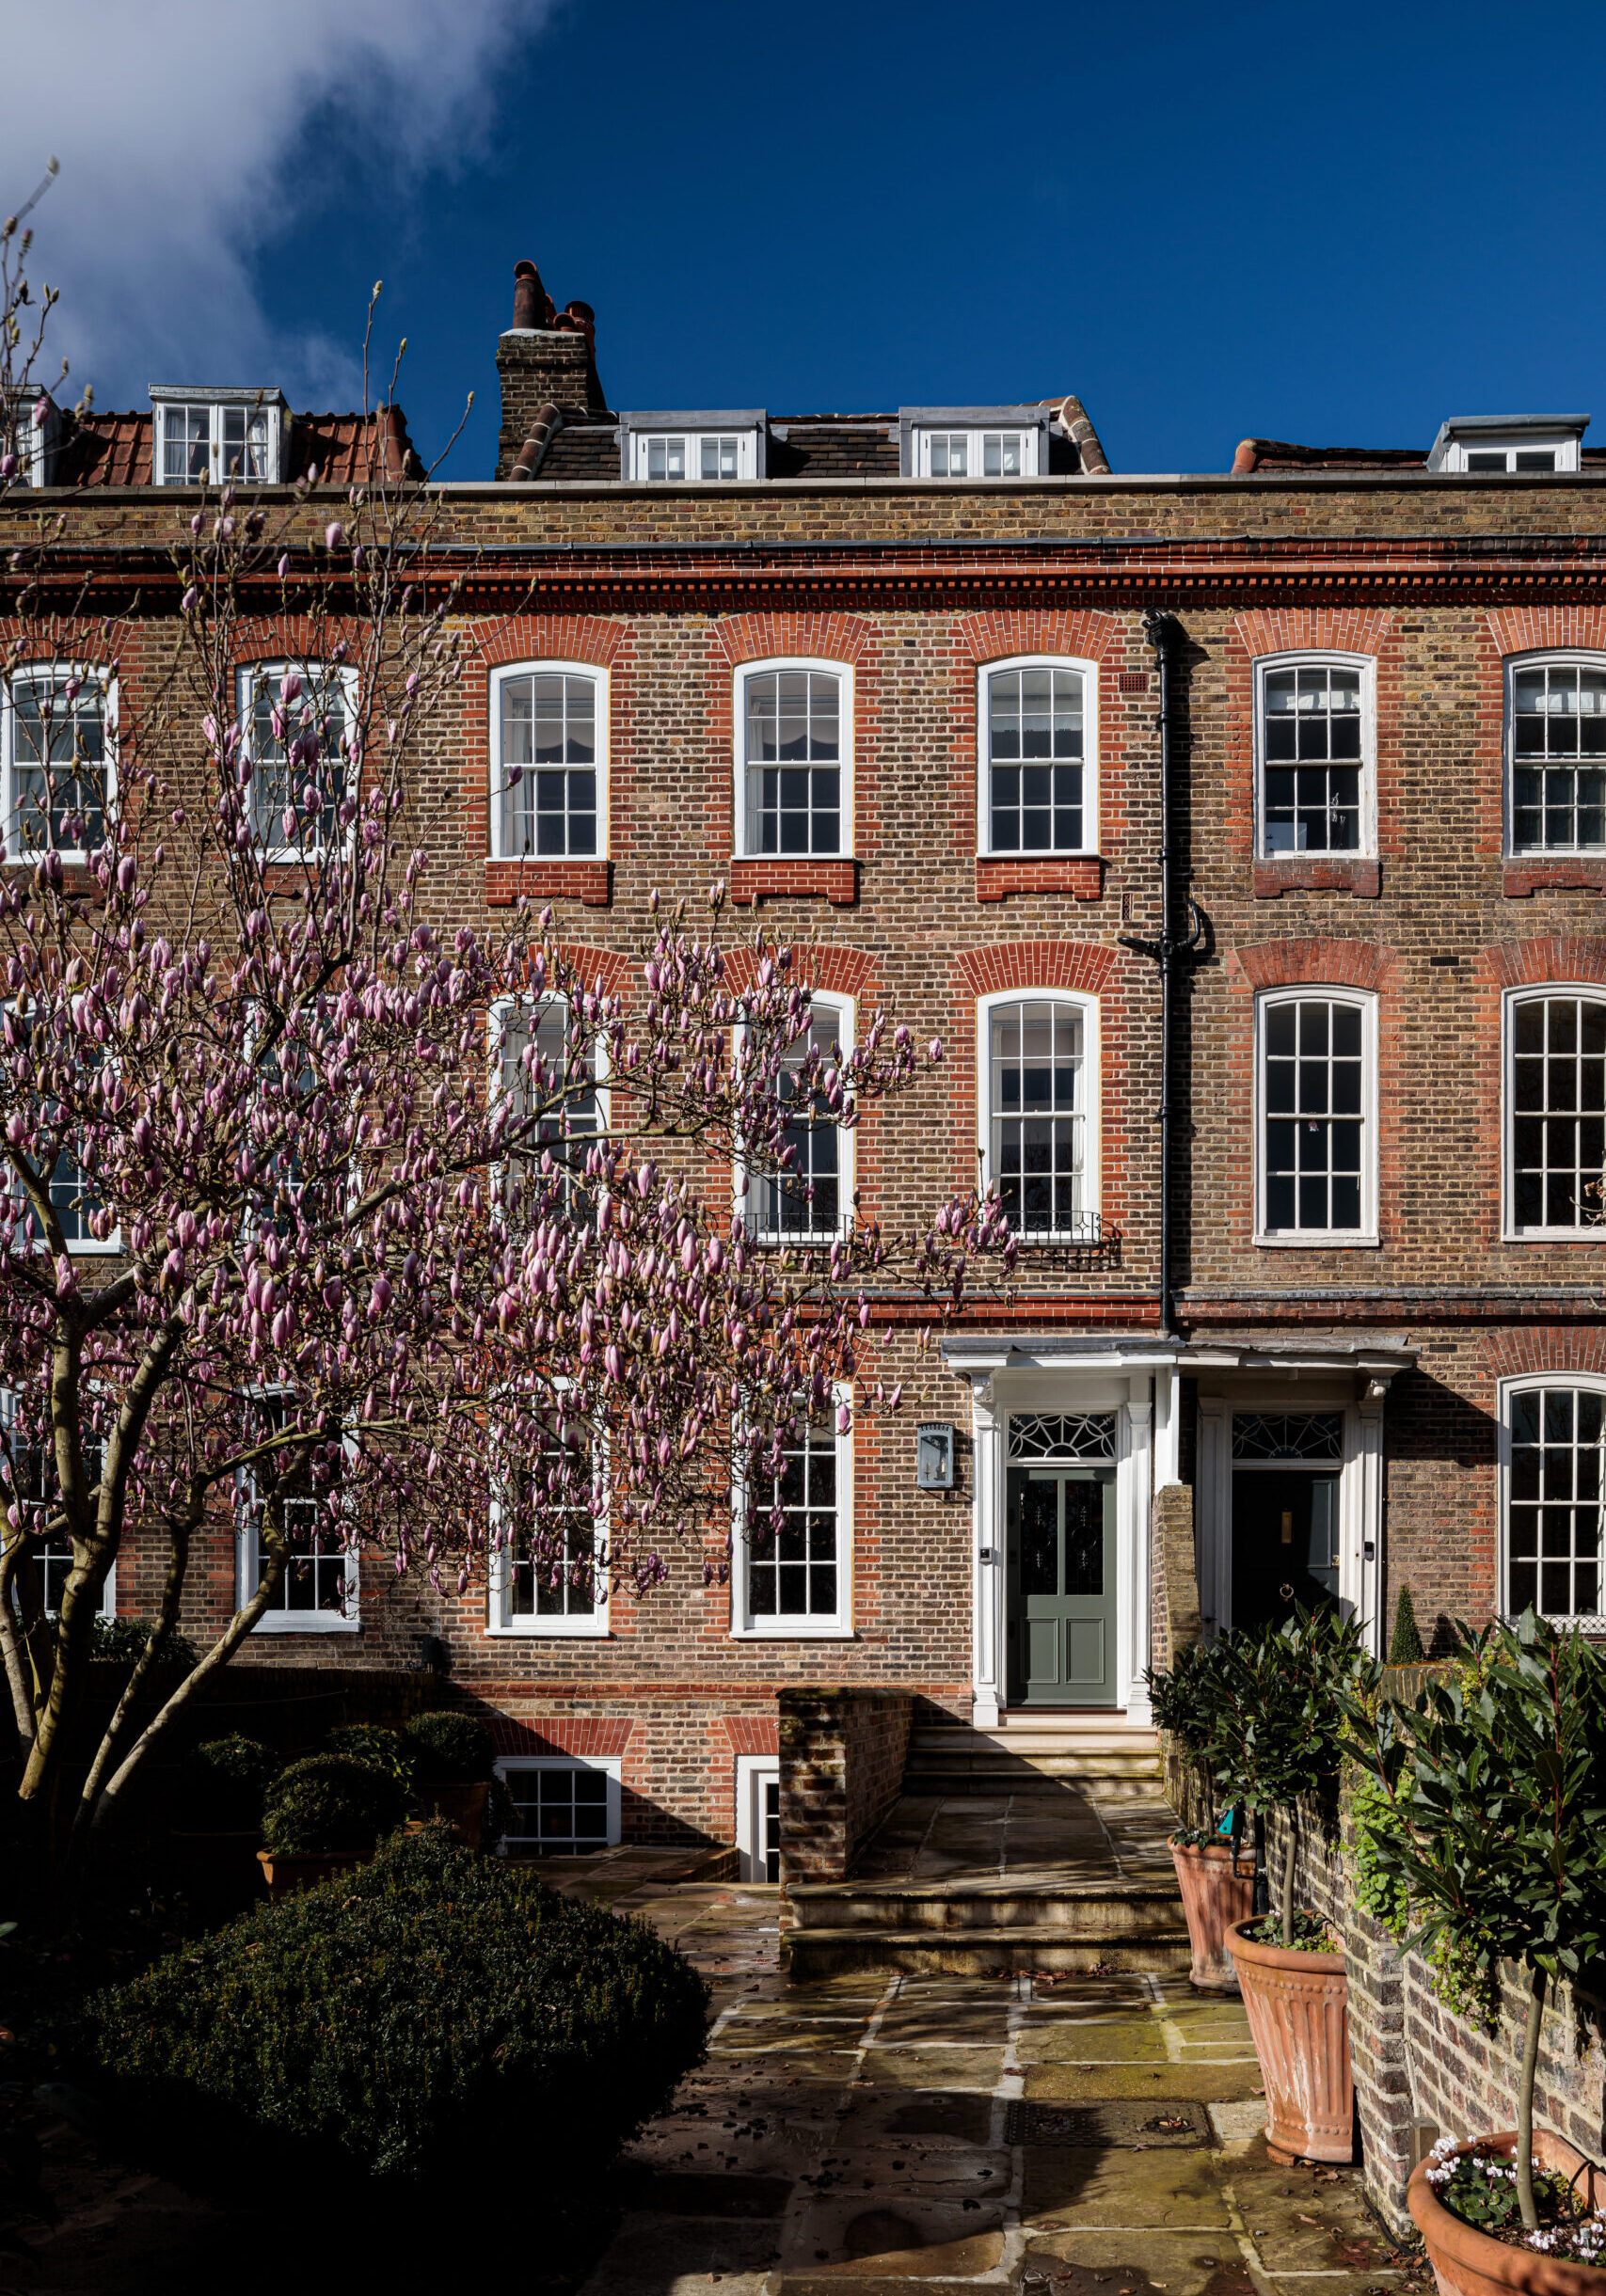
{"x":226,"y":425}
{"x":715,"y":456}
{"x":1514,"y":445}
{"x":976,"y":450}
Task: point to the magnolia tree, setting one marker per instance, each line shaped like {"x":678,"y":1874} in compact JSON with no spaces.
{"x":385,"y":1233}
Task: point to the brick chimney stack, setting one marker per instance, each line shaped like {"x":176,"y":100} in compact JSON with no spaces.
{"x":546,"y":360}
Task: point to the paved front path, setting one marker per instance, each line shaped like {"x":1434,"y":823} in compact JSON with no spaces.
{"x":1067,"y":2136}
{"x":1094,"y":1832}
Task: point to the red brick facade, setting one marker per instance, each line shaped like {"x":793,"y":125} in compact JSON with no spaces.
{"x":914,"y":588}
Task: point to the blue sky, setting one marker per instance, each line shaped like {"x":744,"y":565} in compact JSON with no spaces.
{"x":1335,"y":225}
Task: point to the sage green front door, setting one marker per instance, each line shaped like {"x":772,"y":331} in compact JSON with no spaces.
{"x":1061,"y":1586}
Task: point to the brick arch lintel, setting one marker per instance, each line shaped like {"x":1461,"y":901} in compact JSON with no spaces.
{"x":1084,"y":633}
{"x":1291,"y":629}
{"x":831,"y":637}
{"x":582,"y":638}
{"x":610,"y":967}
{"x":1532,"y":629}
{"x":1340,"y":964}
{"x":1562,"y":956}
{"x":1538,"y":1348}
{"x":822,"y":964}
{"x":1034,"y":964}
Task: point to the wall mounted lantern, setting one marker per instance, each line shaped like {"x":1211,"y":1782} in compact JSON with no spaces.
{"x":934,"y":1456}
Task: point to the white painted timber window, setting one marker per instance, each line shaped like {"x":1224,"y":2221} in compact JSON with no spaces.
{"x":1316,"y":1130}
{"x":1555,"y":716}
{"x":203,"y":441}
{"x":1315,"y":737}
{"x":975,"y":454}
{"x":34,"y":1485}
{"x":758,"y":1816}
{"x":562,"y":1806}
{"x":1038,"y":1067}
{"x":548,"y":762}
{"x":1037,"y":785}
{"x":791,"y":1574}
{"x":541,"y":1062}
{"x":794,"y":778}
{"x":1552,"y":1431}
{"x":692,"y":457}
{"x":57,"y":745}
{"x":1555,"y":1100}
{"x":317,"y":1588}
{"x":1474,"y":453}
{"x":564,"y":1589}
{"x":811,"y":1201}
{"x":297,"y":720}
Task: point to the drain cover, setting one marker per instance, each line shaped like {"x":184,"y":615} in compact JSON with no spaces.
{"x":1127,"y":2127}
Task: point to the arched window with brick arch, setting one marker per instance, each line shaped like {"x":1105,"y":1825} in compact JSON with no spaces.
{"x":1037,"y":720}
{"x":1315,"y":1116}
{"x":1555,"y":1112}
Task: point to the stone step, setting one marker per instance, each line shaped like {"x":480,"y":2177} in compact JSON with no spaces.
{"x":1009,"y":1758}
{"x":814,"y":1954}
{"x":1050,"y":1774}
{"x":1104,"y":1908}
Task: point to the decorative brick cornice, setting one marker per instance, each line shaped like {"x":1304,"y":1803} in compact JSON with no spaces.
{"x":1080,"y":875}
{"x":1317,"y":872}
{"x":1330,"y":963}
{"x":1563,"y":957}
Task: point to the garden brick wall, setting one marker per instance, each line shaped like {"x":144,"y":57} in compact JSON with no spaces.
{"x":1421,"y":2071}
{"x":842,"y":1756}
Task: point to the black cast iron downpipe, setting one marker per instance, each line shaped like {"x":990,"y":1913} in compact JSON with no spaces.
{"x":1170,"y":952}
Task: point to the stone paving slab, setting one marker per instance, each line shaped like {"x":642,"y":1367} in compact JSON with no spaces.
{"x":859,"y":2138}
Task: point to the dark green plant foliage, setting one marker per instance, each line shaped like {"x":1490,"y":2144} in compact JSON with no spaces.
{"x":223,"y":1784}
{"x":124,"y":1640}
{"x":430,"y":2015}
{"x":331,"y":1802}
{"x":1278,"y":1715}
{"x":1311,"y":1935}
{"x":1498,"y":1781}
{"x":1184,"y":1700}
{"x":1405,"y":1646}
{"x":381,"y":1749}
{"x":452,"y":1749}
{"x":1482,"y":2191}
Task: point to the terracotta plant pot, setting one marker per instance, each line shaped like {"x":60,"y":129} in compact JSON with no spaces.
{"x":1297,"y":2005}
{"x":463,"y":1808}
{"x":1216,"y":1890}
{"x":1467,"y":2262}
{"x":304,"y":1870}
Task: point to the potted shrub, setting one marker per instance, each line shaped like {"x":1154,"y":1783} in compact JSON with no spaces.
{"x":454,"y":1762}
{"x":1275,"y":1737}
{"x":221,"y":1789}
{"x":324,"y":1816}
{"x":1494,"y":1817}
{"x":382,"y":1748}
{"x":1216,"y":1877}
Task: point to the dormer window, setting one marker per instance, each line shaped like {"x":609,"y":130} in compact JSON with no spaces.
{"x":209,"y":438}
{"x":1475,"y":445}
{"x":973,"y":442}
{"x":693,"y":449}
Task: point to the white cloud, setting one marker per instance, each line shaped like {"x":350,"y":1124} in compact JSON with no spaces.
{"x":177,"y":121}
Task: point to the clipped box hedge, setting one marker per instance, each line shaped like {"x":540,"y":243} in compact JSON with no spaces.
{"x":433,"y":2012}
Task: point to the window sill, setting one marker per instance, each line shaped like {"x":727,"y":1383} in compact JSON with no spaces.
{"x":1594,"y":1237}
{"x":1278,"y":873}
{"x":1080,"y":875}
{"x":304,"y":1623}
{"x":588,"y":881}
{"x":551,"y":1630}
{"x":1322,"y":1240}
{"x":807,"y":876}
{"x":787,"y":1630}
{"x":1557,"y":873}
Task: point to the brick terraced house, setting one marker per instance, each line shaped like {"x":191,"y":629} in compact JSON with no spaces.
{"x":1242,"y":836}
